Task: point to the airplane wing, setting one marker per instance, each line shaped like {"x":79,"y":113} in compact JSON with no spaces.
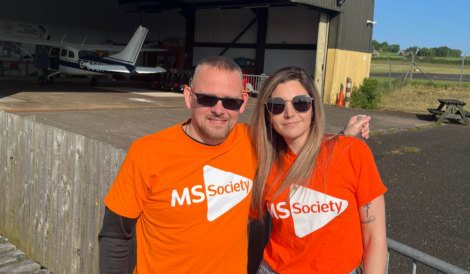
{"x":109,"y":68}
{"x":85,"y":46}
{"x":124,"y":69}
{"x":146,"y":70}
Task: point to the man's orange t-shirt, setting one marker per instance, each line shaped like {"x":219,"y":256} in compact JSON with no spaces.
{"x":192,"y":201}
{"x":318,"y":230}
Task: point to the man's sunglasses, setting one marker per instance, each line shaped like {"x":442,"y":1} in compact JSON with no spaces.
{"x":211,"y":100}
{"x":301,"y":103}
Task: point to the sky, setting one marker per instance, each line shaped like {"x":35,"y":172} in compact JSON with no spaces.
{"x":423,"y":23}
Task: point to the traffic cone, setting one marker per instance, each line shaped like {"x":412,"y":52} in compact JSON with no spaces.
{"x":340,"y":100}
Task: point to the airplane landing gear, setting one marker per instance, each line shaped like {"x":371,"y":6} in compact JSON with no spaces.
{"x":93,"y":81}
{"x":46,"y":78}
{"x":42,"y":80}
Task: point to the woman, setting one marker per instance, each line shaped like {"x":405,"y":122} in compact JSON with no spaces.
{"x":324,"y":193}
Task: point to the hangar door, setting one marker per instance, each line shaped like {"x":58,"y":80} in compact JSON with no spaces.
{"x":322,"y":50}
{"x":305,"y":30}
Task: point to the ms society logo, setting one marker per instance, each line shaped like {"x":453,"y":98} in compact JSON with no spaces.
{"x":223,"y":190}
{"x":310,"y":210}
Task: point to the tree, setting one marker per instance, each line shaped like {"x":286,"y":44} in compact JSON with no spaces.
{"x":414,"y":49}
{"x":394,"y":48}
{"x":456,"y":53}
{"x":423,"y":51}
{"x":384,"y":46}
{"x":376,"y":44}
{"x":443,"y":51}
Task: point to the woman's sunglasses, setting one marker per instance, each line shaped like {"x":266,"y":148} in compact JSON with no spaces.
{"x":301,"y":103}
{"x":211,"y":100}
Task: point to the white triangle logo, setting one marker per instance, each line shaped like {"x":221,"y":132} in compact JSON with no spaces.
{"x":312,"y":210}
{"x":224,"y":190}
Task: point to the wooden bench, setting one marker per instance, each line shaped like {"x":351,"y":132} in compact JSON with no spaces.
{"x":454,"y":110}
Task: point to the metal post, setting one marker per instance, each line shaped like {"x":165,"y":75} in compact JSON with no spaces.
{"x":461,"y":73}
{"x":426,"y":76}
{"x":348,"y":92}
{"x":412,"y":64}
{"x":406,"y":76}
{"x":389,"y":75}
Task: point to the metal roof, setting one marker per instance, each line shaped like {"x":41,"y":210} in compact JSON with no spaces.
{"x":150,"y":6}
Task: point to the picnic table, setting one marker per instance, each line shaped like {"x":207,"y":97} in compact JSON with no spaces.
{"x":453,"y":110}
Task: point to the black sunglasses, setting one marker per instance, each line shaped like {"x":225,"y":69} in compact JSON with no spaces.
{"x":301,"y":103}
{"x":211,"y":100}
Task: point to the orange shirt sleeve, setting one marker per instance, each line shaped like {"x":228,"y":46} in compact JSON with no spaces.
{"x":369,"y":185}
{"x":128,"y":193}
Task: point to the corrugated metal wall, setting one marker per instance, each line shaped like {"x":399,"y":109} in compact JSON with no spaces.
{"x":356,"y":34}
{"x":292,"y":25}
{"x":222,"y":26}
{"x":277,"y":58}
{"x":164,"y":25}
{"x":323,"y":3}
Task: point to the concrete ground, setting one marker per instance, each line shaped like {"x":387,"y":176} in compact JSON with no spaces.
{"x":425,"y":170}
{"x":427,"y":175}
{"x":120,"y":112}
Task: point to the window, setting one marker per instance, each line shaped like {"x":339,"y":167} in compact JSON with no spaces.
{"x":63,"y":53}
{"x":86,"y":53}
{"x":71,"y":54}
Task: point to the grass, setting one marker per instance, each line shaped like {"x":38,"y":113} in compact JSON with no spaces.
{"x":393,"y":55}
{"x":379,"y":66}
{"x":417,"y":98}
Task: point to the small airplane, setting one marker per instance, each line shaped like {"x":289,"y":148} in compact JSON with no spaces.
{"x":56,"y":57}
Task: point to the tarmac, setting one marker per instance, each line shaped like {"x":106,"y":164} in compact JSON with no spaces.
{"x":423,"y":165}
{"x":120,"y":112}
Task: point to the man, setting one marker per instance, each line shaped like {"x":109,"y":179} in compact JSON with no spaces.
{"x":188,"y":188}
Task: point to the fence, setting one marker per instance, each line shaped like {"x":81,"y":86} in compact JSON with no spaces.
{"x":418,"y":256}
{"x":253,"y":83}
{"x":53,"y":183}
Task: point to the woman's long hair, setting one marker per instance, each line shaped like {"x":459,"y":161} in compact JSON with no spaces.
{"x":270,"y":146}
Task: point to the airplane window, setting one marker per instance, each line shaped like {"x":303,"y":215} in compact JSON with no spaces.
{"x":63,"y":53}
{"x":87,"y":53}
{"x":71,"y":54}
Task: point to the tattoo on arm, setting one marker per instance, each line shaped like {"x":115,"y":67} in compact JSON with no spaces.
{"x":372,"y":218}
{"x":367,"y":209}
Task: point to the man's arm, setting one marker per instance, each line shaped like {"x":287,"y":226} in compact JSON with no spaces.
{"x":357,"y":124}
{"x":115,"y":241}
{"x":374,"y":239}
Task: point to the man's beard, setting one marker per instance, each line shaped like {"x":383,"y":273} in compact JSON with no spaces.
{"x":220,"y":132}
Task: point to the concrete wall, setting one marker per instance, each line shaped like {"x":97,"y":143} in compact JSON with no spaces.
{"x":340,"y":65}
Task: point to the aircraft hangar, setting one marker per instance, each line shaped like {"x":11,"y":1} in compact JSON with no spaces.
{"x":330,"y":39}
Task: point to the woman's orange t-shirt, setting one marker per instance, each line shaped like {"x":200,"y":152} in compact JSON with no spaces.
{"x":192,"y":201}
{"x":318,"y":230}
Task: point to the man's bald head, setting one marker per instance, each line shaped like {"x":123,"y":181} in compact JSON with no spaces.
{"x":218,"y":62}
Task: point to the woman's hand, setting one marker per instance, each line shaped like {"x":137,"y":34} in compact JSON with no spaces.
{"x":374,"y":238}
{"x":358,"y":124}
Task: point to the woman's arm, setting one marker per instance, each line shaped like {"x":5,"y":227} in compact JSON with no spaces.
{"x":374,"y":238}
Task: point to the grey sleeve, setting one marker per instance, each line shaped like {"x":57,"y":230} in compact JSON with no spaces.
{"x":117,"y":244}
